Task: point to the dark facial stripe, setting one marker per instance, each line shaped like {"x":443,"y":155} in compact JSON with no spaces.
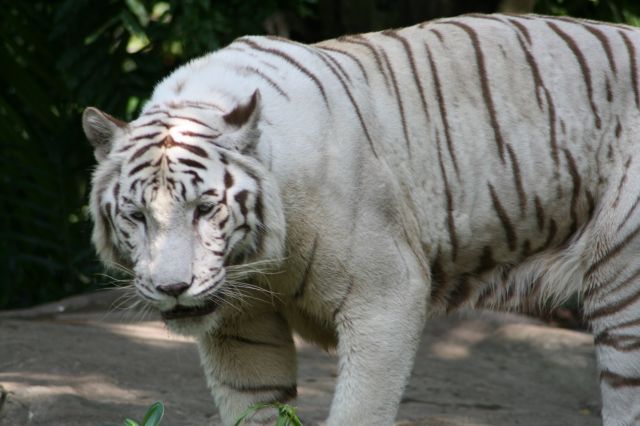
{"x":293,"y":62}
{"x":633,"y":65}
{"x":168,"y":114}
{"x":360,"y":40}
{"x":192,"y":163}
{"x":403,"y":119}
{"x":577,"y":185}
{"x":484,"y":84}
{"x":228,"y":179}
{"x":143,"y":149}
{"x":443,"y":109}
{"x":139,"y":167}
{"x":258,"y":209}
{"x":195,"y":177}
{"x":353,"y":103}
{"x":196,"y":150}
{"x":354,"y":58}
{"x":199,"y":135}
{"x":584,"y":67}
{"x":199,"y":104}
{"x":510,"y":234}
{"x":212,"y":192}
{"x":517,"y":178}
{"x":412,"y":64}
{"x":154,"y":122}
{"x":241,"y":199}
{"x":146,"y":136}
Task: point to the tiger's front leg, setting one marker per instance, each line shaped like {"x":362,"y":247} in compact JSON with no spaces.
{"x":249,"y":362}
{"x":379,"y":327}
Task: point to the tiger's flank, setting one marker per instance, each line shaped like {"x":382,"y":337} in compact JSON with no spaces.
{"x":351,"y":189}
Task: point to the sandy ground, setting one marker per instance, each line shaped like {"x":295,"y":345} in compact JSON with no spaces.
{"x":73,"y":363}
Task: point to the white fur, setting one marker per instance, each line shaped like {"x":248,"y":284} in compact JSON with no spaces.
{"x":500,"y":175}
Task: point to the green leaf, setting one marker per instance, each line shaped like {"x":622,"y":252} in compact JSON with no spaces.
{"x":282,"y":421}
{"x":154,"y":415}
{"x":129,"y":422}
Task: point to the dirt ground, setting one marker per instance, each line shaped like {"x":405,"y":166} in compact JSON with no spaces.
{"x":74,"y":363}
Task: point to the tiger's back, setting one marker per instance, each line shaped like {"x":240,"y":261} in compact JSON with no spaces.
{"x":513,"y":129}
{"x":479,"y":161}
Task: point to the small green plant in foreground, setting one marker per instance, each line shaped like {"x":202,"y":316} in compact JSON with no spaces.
{"x":286,"y":414}
{"x":152,"y":418}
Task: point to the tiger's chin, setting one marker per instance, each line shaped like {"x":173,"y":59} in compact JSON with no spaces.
{"x":191,"y":320}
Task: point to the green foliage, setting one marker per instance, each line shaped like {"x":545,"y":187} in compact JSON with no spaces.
{"x":152,"y":418}
{"x":623,"y":11}
{"x":57,"y":58}
{"x":286,"y":414}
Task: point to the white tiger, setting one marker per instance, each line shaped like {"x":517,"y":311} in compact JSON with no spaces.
{"x":478,"y":161}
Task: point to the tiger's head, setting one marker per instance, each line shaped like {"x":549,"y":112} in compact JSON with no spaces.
{"x":180,"y":199}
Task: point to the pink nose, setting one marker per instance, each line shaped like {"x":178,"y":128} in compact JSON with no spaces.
{"x":174,"y":290}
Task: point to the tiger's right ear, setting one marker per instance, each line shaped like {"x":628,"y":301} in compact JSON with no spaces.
{"x":101,"y":129}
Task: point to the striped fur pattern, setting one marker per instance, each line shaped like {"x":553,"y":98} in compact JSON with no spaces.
{"x":351,"y":189}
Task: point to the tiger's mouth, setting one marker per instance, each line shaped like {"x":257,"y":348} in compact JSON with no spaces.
{"x":181,"y":311}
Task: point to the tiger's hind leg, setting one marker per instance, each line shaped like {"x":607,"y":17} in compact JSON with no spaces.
{"x":612,"y":300}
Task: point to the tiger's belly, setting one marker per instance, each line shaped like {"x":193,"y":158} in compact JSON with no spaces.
{"x":490,"y":254}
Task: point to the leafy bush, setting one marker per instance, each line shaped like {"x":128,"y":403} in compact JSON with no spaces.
{"x":623,"y":11}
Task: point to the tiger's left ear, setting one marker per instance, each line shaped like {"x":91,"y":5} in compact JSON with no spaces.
{"x":101,"y":129}
{"x":243,"y":120}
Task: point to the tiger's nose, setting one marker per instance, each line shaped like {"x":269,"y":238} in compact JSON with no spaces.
{"x":175,"y":289}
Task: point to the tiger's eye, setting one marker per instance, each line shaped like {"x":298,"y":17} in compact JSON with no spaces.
{"x":204,"y":208}
{"x":139,"y":216}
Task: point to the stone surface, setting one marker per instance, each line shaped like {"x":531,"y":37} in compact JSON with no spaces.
{"x":73,"y":363}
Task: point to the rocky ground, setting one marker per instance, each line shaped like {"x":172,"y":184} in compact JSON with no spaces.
{"x":74,"y":363}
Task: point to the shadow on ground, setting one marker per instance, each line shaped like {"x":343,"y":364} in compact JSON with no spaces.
{"x":64,"y":365}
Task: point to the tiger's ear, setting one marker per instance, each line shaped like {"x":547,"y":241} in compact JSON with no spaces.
{"x":243,"y":120}
{"x":101,"y":129}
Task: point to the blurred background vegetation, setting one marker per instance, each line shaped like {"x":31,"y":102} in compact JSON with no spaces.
{"x":59,"y":56}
